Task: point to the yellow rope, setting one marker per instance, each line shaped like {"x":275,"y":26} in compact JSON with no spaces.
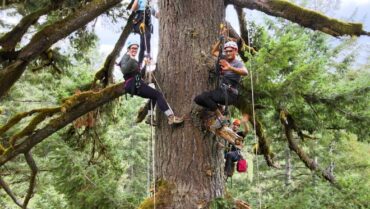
{"x":254,"y":120}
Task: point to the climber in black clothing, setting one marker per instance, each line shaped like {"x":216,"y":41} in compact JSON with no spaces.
{"x":136,"y":86}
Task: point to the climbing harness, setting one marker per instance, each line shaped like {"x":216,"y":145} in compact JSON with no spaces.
{"x":142,"y":20}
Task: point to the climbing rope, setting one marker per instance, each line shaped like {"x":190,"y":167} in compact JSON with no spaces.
{"x":153,"y":153}
{"x":254,"y":119}
{"x":151,"y":146}
{"x":147,"y":66}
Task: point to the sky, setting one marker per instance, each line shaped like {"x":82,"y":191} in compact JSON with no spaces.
{"x":348,"y":10}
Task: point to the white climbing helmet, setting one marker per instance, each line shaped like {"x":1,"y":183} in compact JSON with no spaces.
{"x":133,"y":42}
{"x":231,"y":44}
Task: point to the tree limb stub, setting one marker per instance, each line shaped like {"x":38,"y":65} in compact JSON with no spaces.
{"x":106,"y":73}
{"x":73,"y":108}
{"x":42,"y":40}
{"x":302,"y":16}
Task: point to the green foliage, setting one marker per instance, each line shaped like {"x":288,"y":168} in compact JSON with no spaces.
{"x":297,"y":70}
{"x":221,"y":203}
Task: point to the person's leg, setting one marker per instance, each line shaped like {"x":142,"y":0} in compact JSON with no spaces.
{"x":147,"y":39}
{"x":142,"y":48}
{"x":228,"y":164}
{"x":209,"y":99}
{"x":148,"y":92}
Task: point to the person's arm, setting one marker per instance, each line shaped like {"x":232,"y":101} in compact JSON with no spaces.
{"x":135,"y":6}
{"x":225,"y":65}
{"x":244,"y":121}
{"x":215,"y":51}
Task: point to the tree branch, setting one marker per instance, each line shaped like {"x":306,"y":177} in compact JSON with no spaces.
{"x":304,"y":17}
{"x":43,"y":40}
{"x":9,"y":192}
{"x":106,"y":73}
{"x":31,"y":162}
{"x":242,"y":24}
{"x":10,"y":39}
{"x":19,"y":117}
{"x":72,"y":108}
{"x":288,"y":124}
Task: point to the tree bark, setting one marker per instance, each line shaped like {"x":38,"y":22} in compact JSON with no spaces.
{"x":45,"y":38}
{"x":304,"y":17}
{"x":186,"y":157}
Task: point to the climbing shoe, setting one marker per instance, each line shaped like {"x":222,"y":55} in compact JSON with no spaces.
{"x":175,"y":120}
{"x":150,"y":121}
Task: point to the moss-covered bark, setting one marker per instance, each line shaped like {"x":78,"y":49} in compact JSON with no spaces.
{"x":161,"y":198}
{"x":41,"y":116}
{"x":14,"y":120}
{"x":73,"y":108}
{"x":304,"y":17}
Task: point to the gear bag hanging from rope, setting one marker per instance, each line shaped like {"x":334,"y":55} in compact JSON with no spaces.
{"x":242,"y":165}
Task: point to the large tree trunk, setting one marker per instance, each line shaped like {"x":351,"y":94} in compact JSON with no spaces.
{"x":186,"y":157}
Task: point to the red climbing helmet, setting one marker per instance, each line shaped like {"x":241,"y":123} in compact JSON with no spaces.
{"x":236,"y":122}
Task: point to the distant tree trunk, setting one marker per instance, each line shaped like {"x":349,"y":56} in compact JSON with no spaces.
{"x":186,"y":157}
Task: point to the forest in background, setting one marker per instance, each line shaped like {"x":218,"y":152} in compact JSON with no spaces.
{"x":101,"y":160}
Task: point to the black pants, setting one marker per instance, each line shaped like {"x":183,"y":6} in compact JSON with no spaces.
{"x":147,"y":92}
{"x":210,"y":99}
{"x":144,"y":43}
{"x":230,"y":158}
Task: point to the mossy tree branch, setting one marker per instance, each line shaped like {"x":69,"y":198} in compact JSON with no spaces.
{"x":10,"y":39}
{"x":105,"y":75}
{"x":302,"y":16}
{"x":14,"y":120}
{"x":71,"y":109}
{"x":43,"y":114}
{"x":43,"y":40}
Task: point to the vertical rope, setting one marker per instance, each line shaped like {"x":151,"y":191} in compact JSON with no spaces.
{"x":152,"y":151}
{"x":254,"y":119}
